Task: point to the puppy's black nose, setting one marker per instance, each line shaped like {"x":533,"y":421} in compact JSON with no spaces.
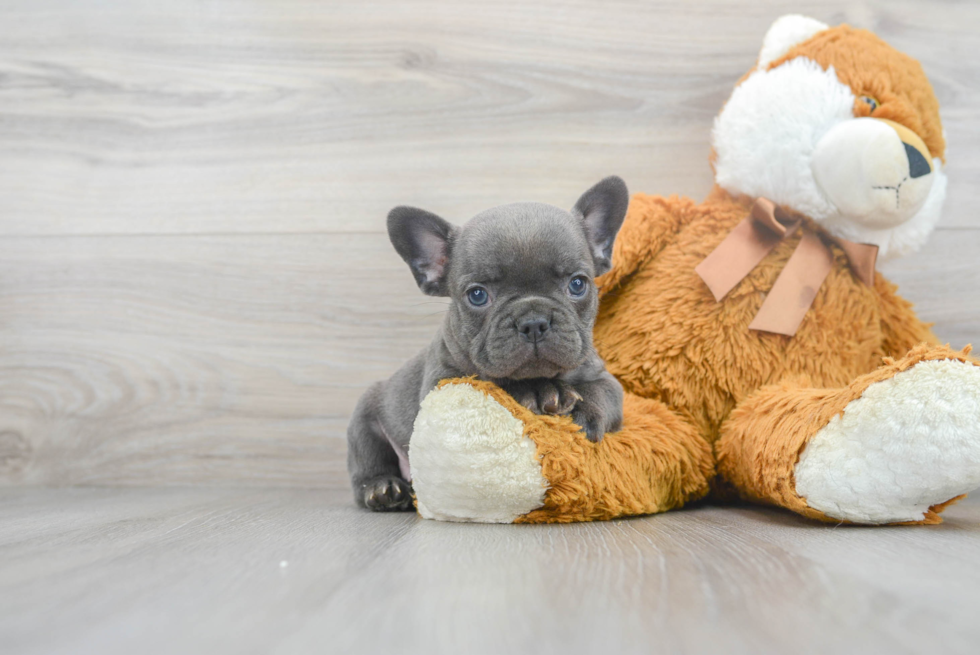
{"x":533,"y":329}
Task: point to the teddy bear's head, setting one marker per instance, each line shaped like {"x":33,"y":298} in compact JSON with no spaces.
{"x":836,"y":124}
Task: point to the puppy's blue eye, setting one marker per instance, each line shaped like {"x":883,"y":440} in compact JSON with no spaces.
{"x":478,"y":296}
{"x":578,"y":286}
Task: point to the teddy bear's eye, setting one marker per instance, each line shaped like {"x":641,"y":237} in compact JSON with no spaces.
{"x":871,"y":102}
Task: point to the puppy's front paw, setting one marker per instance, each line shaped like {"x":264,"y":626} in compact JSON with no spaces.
{"x":591,"y":423}
{"x":387,"y":494}
{"x":546,"y":396}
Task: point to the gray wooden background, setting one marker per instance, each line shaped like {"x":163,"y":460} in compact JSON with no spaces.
{"x":195,"y":284}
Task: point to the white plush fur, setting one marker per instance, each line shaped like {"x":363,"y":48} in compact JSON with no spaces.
{"x":766,"y":134}
{"x":906,"y":444}
{"x":765,"y":138}
{"x":784,"y":33}
{"x":471,"y":461}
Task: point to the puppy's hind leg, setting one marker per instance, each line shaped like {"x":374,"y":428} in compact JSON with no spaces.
{"x":371,"y":460}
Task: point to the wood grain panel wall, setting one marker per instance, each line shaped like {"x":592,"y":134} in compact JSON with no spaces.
{"x":195,"y":284}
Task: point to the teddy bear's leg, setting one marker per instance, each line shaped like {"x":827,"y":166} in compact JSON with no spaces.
{"x":895,"y":446}
{"x":478,"y":455}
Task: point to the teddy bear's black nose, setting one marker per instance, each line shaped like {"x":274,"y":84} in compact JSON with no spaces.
{"x":534,"y":328}
{"x":918,"y":165}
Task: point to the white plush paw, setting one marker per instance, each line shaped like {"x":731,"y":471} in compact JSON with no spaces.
{"x":470,"y":459}
{"x":906,"y":444}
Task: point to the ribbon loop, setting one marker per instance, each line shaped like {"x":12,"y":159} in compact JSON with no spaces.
{"x":796,"y":287}
{"x":767,"y":214}
{"x":745,"y":246}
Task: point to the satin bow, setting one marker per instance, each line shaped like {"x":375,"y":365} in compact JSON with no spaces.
{"x":797,"y":285}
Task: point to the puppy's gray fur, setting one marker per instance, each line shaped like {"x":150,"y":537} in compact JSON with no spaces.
{"x":533,"y":336}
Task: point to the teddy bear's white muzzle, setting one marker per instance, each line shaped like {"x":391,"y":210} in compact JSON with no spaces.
{"x":875,"y":172}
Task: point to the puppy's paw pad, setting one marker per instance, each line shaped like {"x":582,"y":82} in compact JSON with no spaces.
{"x":559,"y":399}
{"x":529,"y":400}
{"x":545,"y":396}
{"x":387,"y":494}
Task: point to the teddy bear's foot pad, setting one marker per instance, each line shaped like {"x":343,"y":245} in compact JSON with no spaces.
{"x":471,"y":460}
{"x":907,"y":444}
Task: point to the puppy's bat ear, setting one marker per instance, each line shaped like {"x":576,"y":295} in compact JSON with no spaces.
{"x":603,"y":208}
{"x":424,"y":241}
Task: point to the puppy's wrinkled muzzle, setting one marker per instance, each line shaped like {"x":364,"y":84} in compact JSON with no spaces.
{"x":533,"y":338}
{"x":875,"y":171}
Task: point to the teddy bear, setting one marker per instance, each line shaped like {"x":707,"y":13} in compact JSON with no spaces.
{"x":762,"y":355}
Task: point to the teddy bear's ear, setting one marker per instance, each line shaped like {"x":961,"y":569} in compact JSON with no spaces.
{"x":786,"y":32}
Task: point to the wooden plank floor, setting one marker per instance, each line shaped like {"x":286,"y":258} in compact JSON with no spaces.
{"x":195,"y":284}
{"x":215,"y":571}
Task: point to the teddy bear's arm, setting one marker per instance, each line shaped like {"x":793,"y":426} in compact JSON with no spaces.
{"x":901,"y":329}
{"x":650,"y":223}
{"x":479,"y":455}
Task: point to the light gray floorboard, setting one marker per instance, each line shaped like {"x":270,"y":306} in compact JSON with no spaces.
{"x":200,"y":571}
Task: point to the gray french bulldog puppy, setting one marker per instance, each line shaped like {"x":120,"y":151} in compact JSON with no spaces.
{"x":523,"y":302}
